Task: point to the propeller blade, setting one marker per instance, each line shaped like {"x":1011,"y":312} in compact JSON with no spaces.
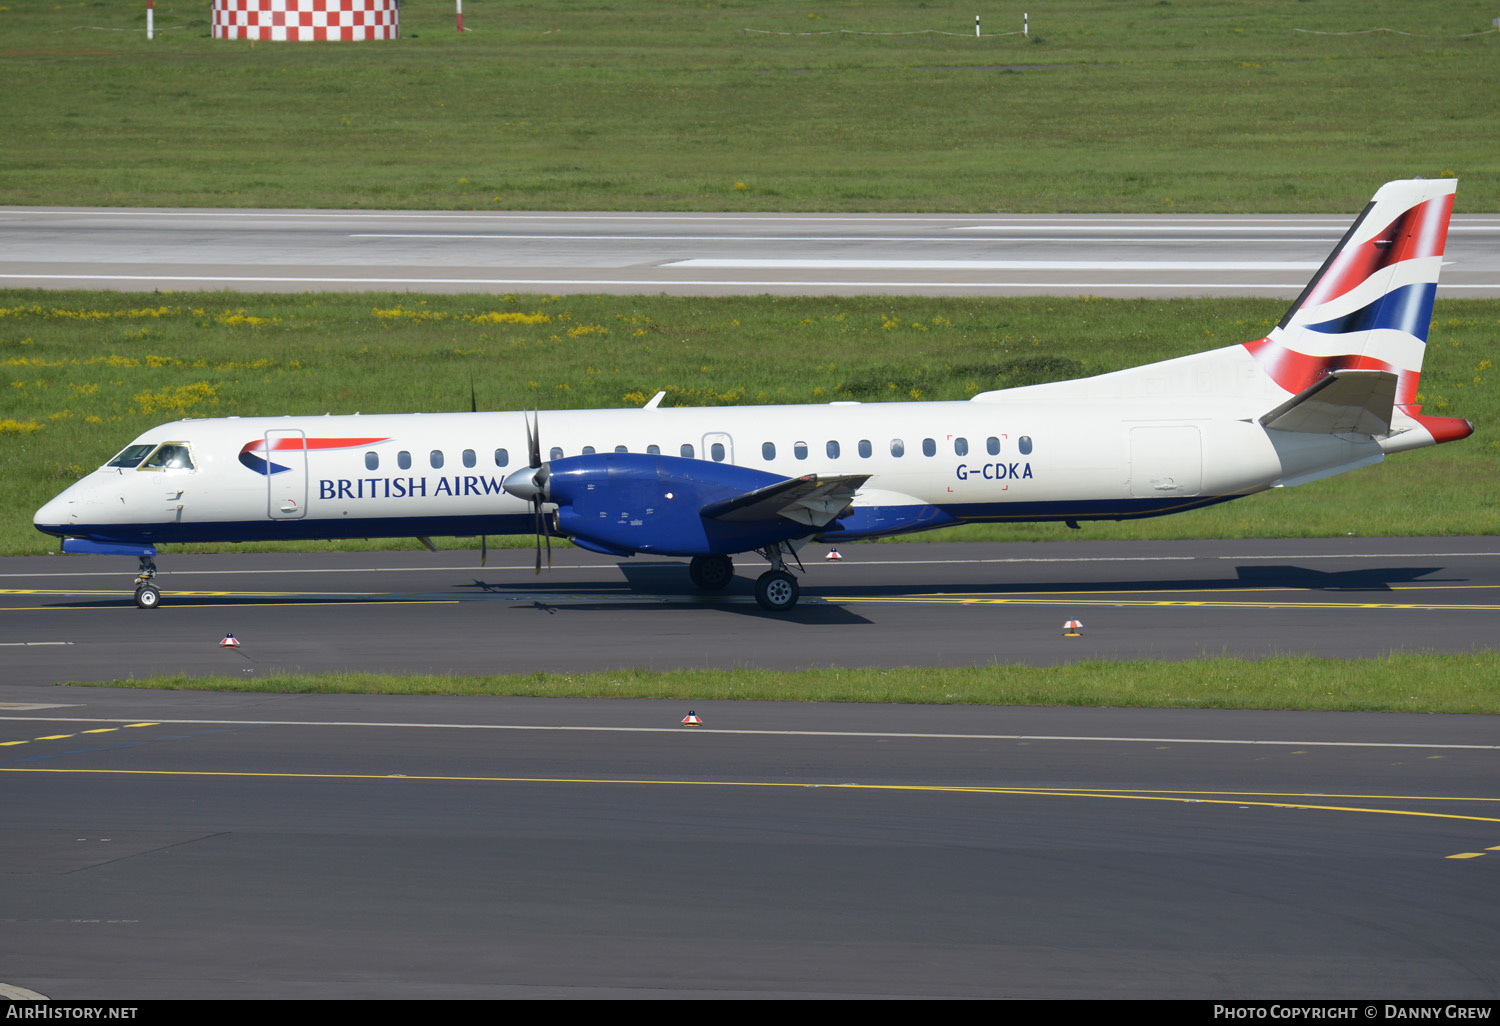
{"x":538,"y":484}
{"x":484,"y":549}
{"x":537,"y":506}
{"x":534,"y":441}
{"x":473,"y":399}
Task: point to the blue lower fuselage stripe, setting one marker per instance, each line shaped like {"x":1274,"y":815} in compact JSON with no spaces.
{"x":864,"y":522}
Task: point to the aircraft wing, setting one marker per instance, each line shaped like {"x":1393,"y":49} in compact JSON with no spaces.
{"x":811,"y":500}
{"x":1343,"y":402}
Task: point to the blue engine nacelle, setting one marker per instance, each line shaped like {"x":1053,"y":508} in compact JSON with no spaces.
{"x":623,"y":503}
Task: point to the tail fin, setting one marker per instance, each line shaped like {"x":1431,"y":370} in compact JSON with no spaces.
{"x":1370,"y":305}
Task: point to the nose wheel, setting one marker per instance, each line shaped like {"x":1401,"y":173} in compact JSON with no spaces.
{"x":147,"y":595}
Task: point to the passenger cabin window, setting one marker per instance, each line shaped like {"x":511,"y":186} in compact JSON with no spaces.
{"x":621,"y":448}
{"x":502,"y":458}
{"x":717,"y":452}
{"x":929,"y":447}
{"x":555,"y":453}
{"x":372,"y":461}
{"x":833,"y":450}
{"x":960,"y":447}
{"x":687,"y":450}
{"x":654,"y":450}
{"x":171,"y":456}
{"x":1024,"y":445}
{"x":469,"y":458}
{"x":588,"y":450}
{"x":130,"y":457}
{"x":864,"y":448}
{"x":992,"y":445}
{"x":768,"y":451}
{"x":436,"y":459}
{"x":898,"y":447}
{"x":403,"y":460}
{"x":800,"y":450}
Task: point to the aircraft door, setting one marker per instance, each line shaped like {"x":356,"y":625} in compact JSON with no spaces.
{"x":718,"y":447}
{"x":286,"y":474}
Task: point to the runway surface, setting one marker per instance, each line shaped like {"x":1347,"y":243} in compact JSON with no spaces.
{"x":239,"y":845}
{"x":73,"y":618}
{"x":166,"y":845}
{"x":697,"y":254}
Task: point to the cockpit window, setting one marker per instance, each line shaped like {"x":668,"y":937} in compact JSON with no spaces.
{"x":131,"y":457}
{"x":169,"y":456}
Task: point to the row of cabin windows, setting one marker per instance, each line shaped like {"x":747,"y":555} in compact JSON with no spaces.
{"x":717,"y":452}
{"x":898,"y":448}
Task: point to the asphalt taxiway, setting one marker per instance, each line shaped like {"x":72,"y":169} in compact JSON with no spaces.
{"x":72,"y":618}
{"x":209,"y":845}
{"x":169,"y":845}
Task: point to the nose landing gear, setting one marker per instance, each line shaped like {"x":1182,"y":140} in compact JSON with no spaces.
{"x":147,"y":595}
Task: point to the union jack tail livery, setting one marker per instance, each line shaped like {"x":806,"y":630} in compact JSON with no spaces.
{"x":1358,"y":330}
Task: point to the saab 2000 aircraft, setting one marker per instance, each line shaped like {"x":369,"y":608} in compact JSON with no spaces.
{"x":1331,"y":388}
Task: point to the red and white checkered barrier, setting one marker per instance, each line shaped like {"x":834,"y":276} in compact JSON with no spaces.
{"x":306,"y":20}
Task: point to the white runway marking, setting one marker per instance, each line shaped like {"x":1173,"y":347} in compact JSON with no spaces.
{"x":654,"y":282}
{"x":751,"y":263}
{"x":677,"y":729}
{"x":1024,"y":235}
{"x":659,"y":282}
{"x":1155,"y":226}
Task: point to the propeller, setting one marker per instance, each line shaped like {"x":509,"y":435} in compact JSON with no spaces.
{"x":531,"y":485}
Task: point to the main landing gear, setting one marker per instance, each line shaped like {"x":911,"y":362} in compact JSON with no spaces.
{"x":147,"y":595}
{"x":711,"y":573}
{"x":776,"y":590}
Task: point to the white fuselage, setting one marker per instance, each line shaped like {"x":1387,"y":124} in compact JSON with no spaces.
{"x":1135,"y":443}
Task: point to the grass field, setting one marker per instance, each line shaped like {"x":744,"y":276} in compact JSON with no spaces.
{"x":81,"y":374}
{"x":1403,"y":682}
{"x":1177,"y":105}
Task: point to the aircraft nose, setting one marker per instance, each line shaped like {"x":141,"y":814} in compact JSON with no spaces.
{"x":57,"y":513}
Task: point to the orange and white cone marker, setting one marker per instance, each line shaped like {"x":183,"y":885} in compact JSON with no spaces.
{"x":691,"y":720}
{"x":833,"y":556}
{"x":230,"y":641}
{"x":1073,"y":629}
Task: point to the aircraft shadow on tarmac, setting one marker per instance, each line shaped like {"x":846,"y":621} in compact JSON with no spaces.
{"x":1248,"y":578}
{"x":668,"y":582}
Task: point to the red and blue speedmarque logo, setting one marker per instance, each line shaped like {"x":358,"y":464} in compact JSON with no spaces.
{"x":262,"y":465}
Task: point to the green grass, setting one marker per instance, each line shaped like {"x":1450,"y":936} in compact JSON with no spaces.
{"x":82,"y":373}
{"x":1185,"y":105}
{"x":1400,"y":682}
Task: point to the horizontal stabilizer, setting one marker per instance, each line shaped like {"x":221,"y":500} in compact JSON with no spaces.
{"x":811,"y":500}
{"x":1342,"y":402}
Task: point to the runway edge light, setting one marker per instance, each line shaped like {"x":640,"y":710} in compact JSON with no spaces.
{"x":1073,"y":629}
{"x":691,"y":720}
{"x":833,"y":556}
{"x":230,"y":641}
